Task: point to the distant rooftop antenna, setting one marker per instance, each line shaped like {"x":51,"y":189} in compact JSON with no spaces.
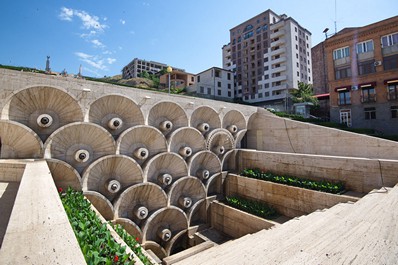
{"x":48,"y":69}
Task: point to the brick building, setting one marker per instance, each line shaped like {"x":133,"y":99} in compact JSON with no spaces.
{"x":362,"y":73}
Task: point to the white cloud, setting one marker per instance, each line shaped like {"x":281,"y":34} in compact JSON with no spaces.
{"x":132,"y":32}
{"x":120,"y":48}
{"x":145,"y":4}
{"x":86,"y":69}
{"x":107,"y":52}
{"x":97,"y":43}
{"x":92,"y":60}
{"x":122,"y":21}
{"x":66,"y":14}
{"x":111,"y":60}
{"x":105,"y":18}
{"x":89,"y":21}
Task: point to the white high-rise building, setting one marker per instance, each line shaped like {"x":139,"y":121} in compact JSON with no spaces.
{"x":269,"y":54}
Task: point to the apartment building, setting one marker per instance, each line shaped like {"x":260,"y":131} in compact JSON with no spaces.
{"x":269,"y":54}
{"x":362,"y":72}
{"x":178,"y":79}
{"x":215,"y":83}
{"x":137,"y":66}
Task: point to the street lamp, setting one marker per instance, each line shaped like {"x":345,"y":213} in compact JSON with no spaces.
{"x":169,"y":70}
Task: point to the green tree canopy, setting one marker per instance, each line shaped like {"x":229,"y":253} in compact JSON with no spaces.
{"x":304,"y":93}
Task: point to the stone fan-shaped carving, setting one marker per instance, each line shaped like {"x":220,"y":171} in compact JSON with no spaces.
{"x":165,"y":168}
{"x":18,"y":141}
{"x":205,"y":119}
{"x":141,"y":143}
{"x":220,"y":141}
{"x":186,"y":142}
{"x":204,"y":164}
{"x":234,"y":121}
{"x":43,"y":109}
{"x":139,"y":201}
{"x":110,"y":175}
{"x":115,"y":113}
{"x":167,"y":117}
{"x":64,"y":175}
{"x":79,"y":144}
{"x":185,"y":192}
{"x":164,"y":224}
{"x":101,"y":203}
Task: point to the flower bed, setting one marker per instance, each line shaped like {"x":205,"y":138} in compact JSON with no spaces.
{"x":256,"y":208}
{"x":132,"y":243}
{"x":95,"y":240}
{"x":325,"y":186}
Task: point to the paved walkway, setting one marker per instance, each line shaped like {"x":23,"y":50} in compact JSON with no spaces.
{"x":365,"y":232}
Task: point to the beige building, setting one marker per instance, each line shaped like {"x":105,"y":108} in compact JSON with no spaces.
{"x":269,"y":54}
{"x":137,"y":66}
{"x":215,"y":83}
{"x":178,"y":79}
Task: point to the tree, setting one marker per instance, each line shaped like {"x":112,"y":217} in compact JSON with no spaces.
{"x":144,"y":74}
{"x":304,"y":93}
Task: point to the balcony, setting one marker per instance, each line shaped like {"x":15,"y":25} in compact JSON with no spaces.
{"x":277,"y":43}
{"x":278,"y":69}
{"x":279,"y":60}
{"x":277,"y":34}
{"x":342,"y":61}
{"x":390,"y":50}
{"x":368,"y":98}
{"x":278,"y":78}
{"x":278,"y":51}
{"x":366,"y":56}
{"x":276,"y":26}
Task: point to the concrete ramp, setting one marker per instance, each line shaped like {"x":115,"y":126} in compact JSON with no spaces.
{"x":365,"y":232}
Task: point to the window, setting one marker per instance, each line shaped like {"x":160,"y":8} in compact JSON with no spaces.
{"x":266,"y":94}
{"x":345,"y":117}
{"x":229,"y":93}
{"x":392,"y":91}
{"x":367,"y":67}
{"x":341,"y":53}
{"x":344,"y":98}
{"x":202,"y":90}
{"x":229,"y":76}
{"x":368,"y":94}
{"x":295,"y":29}
{"x":389,"y":40}
{"x":229,"y":86}
{"x":370,"y":113}
{"x":266,"y":77}
{"x":248,"y":27}
{"x":298,"y":74}
{"x":266,"y":85}
{"x":218,"y":84}
{"x":366,"y":46}
{"x":390,"y":62}
{"x":394,"y":112}
{"x":209,"y":91}
{"x":198,"y":77}
{"x":343,"y":72}
{"x":217,"y":73}
{"x":219,"y":92}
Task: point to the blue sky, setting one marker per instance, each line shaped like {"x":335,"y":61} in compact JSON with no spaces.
{"x":103,"y":36}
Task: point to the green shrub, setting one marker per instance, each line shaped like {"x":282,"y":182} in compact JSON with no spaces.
{"x":322,"y":185}
{"x":254,"y":207}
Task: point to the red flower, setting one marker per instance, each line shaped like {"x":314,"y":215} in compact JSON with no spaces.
{"x":116,"y":258}
{"x":60,"y":190}
{"x":137,"y":239}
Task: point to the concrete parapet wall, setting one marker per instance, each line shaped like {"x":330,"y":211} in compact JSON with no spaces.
{"x":38,"y":231}
{"x":358,"y":174}
{"x":234,"y":222}
{"x":271,"y":133}
{"x":287,"y":200}
{"x":11,"y":171}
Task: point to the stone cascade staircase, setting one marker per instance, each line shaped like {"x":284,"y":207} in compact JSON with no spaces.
{"x":365,"y":232}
